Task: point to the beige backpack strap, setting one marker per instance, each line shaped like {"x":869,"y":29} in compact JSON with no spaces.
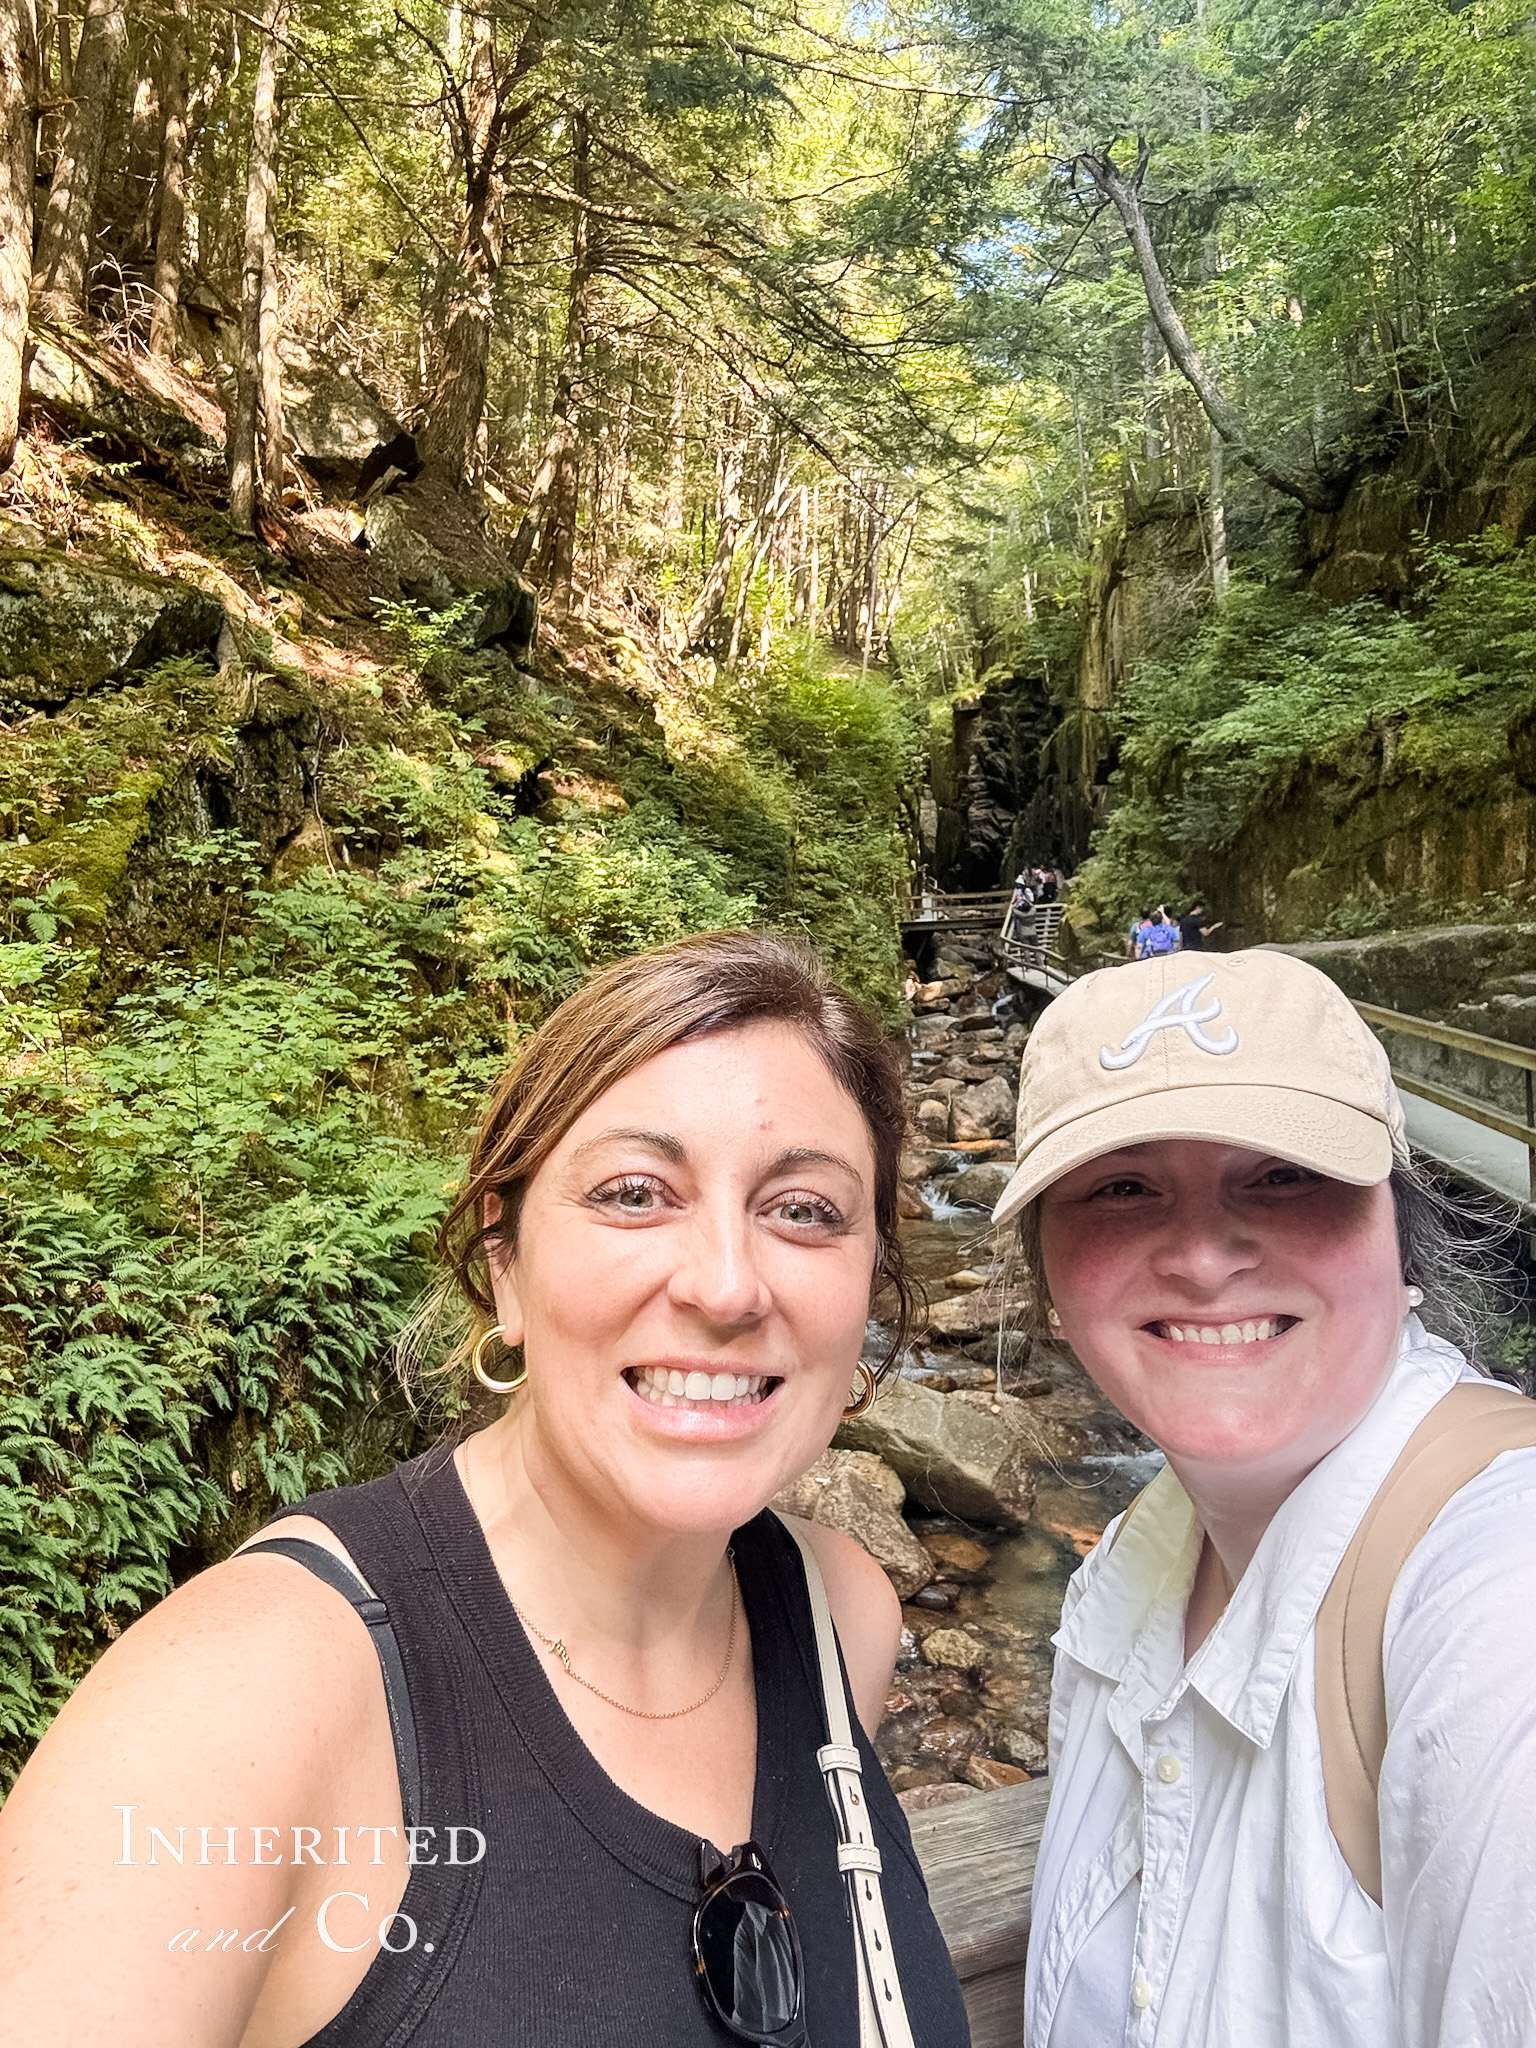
{"x":1461,"y":1436}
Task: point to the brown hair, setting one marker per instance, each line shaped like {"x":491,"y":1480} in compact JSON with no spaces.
{"x":626,"y":1015}
{"x":1030,"y":1291}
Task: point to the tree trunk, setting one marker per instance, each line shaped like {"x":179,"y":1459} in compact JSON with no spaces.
{"x":708,"y":603}
{"x":18,"y":134}
{"x":1219,"y":569}
{"x":1152,"y":445}
{"x":1212,"y":259}
{"x":546,"y":538}
{"x":814,"y":608}
{"x":1228,"y":422}
{"x":173,"y":184}
{"x":131,"y":224}
{"x":457,"y":405}
{"x":677,"y":454}
{"x":260,"y":201}
{"x":69,"y":219}
{"x":270,"y":330}
{"x":765,"y":529}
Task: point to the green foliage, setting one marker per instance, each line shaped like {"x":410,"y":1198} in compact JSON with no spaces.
{"x":1275,"y":690}
{"x":223,"y":1153}
{"x":796,"y":770}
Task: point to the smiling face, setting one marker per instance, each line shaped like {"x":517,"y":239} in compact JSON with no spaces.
{"x":1241,"y":1311}
{"x":691,"y":1280}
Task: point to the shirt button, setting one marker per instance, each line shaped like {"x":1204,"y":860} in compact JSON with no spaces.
{"x":1141,"y":1994}
{"x":1169,"y":1769}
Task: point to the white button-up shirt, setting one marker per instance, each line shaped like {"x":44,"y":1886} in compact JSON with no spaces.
{"x":1189,"y":1891}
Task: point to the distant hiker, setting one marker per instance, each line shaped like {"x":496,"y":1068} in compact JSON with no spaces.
{"x":1159,"y":935}
{"x":1020,"y":905}
{"x":1139,"y":927}
{"x":1193,"y":931}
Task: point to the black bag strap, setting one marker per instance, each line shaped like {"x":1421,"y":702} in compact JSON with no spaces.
{"x":326,"y":1565}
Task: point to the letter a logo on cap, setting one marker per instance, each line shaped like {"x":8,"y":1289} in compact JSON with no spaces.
{"x":1164,"y":1016}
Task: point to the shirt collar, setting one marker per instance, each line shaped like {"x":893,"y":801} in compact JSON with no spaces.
{"x":1128,"y":1626}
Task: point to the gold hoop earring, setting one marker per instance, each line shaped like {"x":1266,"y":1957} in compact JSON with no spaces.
{"x":477,"y":1365}
{"x":862,"y":1402}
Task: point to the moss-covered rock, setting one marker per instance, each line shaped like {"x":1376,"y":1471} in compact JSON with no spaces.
{"x":70,"y":624}
{"x":110,"y":398}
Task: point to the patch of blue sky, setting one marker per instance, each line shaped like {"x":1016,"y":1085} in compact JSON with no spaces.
{"x":1010,"y":259}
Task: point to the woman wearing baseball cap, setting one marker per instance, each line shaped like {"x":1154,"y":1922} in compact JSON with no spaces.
{"x":1293,"y":1723}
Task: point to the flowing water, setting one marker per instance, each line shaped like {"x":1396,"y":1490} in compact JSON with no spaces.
{"x":950,"y":1728}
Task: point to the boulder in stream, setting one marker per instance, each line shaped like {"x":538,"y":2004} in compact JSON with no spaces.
{"x":985,"y":1111}
{"x":978,"y":1187}
{"x":954,"y":1455}
{"x":963,"y":1317}
{"x":855,"y":1492}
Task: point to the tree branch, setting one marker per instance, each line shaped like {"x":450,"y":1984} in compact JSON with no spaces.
{"x":1308,"y":489}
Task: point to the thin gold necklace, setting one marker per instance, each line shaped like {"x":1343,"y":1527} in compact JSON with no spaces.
{"x":557,"y":1648}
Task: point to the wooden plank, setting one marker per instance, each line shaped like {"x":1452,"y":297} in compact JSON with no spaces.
{"x":979,"y":1859}
{"x":1448,"y":1034}
{"x":994,"y":2005}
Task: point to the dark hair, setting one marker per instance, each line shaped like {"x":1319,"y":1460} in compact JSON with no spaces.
{"x":627,"y":1014}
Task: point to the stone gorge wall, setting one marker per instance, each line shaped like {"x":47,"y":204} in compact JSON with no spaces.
{"x":1479,"y":977}
{"x":1341,"y":833}
{"x":1470,"y":466}
{"x":1338,"y":838}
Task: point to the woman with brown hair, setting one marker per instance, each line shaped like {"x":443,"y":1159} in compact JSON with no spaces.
{"x":484,"y":1805}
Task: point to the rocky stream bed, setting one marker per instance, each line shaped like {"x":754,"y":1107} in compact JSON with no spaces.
{"x":989,"y":1465}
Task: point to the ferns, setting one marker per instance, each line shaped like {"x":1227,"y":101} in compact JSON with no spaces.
{"x":117,"y":1353}
{"x":226,"y":1134}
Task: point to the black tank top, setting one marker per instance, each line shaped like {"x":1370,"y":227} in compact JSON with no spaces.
{"x":574,"y":1928}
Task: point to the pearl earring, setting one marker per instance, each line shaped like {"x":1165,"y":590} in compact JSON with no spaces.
{"x":1053,"y":1319}
{"x":1415,"y":1296}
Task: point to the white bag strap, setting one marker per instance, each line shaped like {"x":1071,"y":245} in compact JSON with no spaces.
{"x":883,"y":2021}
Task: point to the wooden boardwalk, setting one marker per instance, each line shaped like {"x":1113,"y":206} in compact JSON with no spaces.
{"x":979,"y":1859}
{"x":979,"y":911}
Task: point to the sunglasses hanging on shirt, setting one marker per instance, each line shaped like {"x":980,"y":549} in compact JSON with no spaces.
{"x":746,"y":1952}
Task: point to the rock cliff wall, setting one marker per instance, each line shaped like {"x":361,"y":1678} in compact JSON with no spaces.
{"x":1439,"y":477}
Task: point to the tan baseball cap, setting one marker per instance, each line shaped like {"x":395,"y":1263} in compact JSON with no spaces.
{"x":1253,"y":1048}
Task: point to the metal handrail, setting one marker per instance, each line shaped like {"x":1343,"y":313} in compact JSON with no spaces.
{"x":931,"y":907}
{"x":1448,"y":1034}
{"x":1452,"y":1036}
